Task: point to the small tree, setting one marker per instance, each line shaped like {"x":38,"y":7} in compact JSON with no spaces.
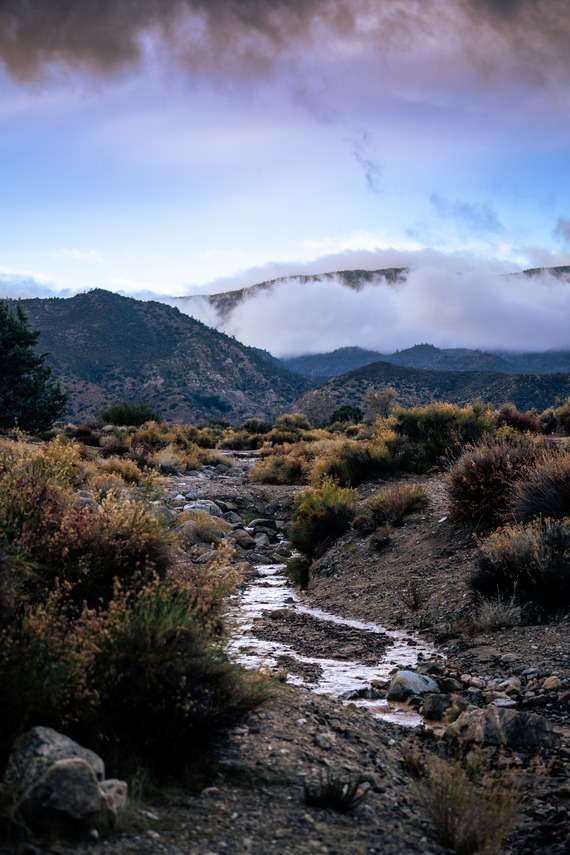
{"x":27,"y":399}
{"x":132,"y":413}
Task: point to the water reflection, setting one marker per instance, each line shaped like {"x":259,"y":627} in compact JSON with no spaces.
{"x":272,"y":591}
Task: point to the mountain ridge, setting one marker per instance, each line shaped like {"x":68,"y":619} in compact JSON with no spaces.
{"x":103,"y":347}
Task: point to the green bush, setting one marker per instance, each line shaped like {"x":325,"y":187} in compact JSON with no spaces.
{"x":544,"y":490}
{"x":530,"y":561}
{"x":320,"y":515}
{"x":351,"y":461}
{"x":481,"y":482}
{"x":438,"y":431}
{"x":134,"y":413}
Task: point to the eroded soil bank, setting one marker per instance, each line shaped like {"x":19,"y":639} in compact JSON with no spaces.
{"x":419,"y":583}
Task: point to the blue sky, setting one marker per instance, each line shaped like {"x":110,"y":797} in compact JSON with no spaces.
{"x":181,"y":146}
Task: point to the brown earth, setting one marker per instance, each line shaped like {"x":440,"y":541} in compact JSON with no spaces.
{"x":254,"y":803}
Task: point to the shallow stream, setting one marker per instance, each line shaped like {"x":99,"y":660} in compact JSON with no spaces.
{"x":272,"y":591}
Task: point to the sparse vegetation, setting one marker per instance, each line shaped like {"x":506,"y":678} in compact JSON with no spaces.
{"x":334,"y":793}
{"x":530,"y":561}
{"x":471,"y":805}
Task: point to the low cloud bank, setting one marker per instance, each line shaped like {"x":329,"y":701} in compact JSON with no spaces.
{"x":435,"y":305}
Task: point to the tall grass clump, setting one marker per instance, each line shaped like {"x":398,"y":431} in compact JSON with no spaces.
{"x":471,"y":806}
{"x":481,"y":482}
{"x":320,"y":515}
{"x":529,"y":561}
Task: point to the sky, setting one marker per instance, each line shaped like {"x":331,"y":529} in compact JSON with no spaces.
{"x":177,"y":147}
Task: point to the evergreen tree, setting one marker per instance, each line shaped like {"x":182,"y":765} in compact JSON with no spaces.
{"x":27,"y":399}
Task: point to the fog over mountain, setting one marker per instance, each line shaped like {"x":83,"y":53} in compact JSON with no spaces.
{"x":476,"y":308}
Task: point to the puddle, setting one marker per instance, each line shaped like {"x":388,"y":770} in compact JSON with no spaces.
{"x":335,"y":678}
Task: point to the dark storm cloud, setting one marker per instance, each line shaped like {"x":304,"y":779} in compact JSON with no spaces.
{"x":105,"y":36}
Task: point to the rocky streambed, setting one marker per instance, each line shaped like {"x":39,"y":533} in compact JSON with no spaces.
{"x":339,"y":708}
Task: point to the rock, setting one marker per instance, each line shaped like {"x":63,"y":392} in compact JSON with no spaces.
{"x":203,"y":505}
{"x":552,"y":684}
{"x":59,"y":779}
{"x":499,"y":726}
{"x":263,"y":523}
{"x":450,"y":684}
{"x":408,"y":683}
{"x":325,"y":740}
{"x":243,"y":539}
{"x":114,"y":794}
{"x":444,"y":707}
{"x":67,"y":787}
{"x":37,"y":749}
{"x":232,"y":517}
{"x":261,"y":540}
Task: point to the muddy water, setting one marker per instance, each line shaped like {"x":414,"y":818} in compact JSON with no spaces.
{"x":322,"y":675}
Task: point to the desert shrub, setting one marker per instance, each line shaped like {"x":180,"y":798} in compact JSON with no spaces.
{"x":256,"y":426}
{"x":290,"y":467}
{"x":320,"y":515}
{"x":530,"y":561}
{"x":346,"y":414}
{"x":196,"y":526}
{"x":290,"y":428}
{"x":127,"y":470}
{"x":242,"y":440}
{"x":521,"y":422}
{"x":544,"y":490}
{"x":547,"y":422}
{"x":297,"y":570}
{"x":471,"y":805}
{"x":141,"y":680}
{"x":563,"y":416}
{"x":172,"y":460}
{"x":167,"y":687}
{"x":350,"y":462}
{"x":480,"y":483}
{"x":439,"y":431}
{"x":129,"y":413}
{"x":101,"y":636}
{"x":391,"y":506}
{"x":76,"y":543}
{"x":113,"y":446}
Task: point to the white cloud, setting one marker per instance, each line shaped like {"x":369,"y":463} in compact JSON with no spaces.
{"x":91,"y":256}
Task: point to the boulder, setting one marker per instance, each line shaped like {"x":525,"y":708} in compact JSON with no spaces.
{"x":203,"y":505}
{"x":500,"y":726}
{"x":444,"y":707}
{"x":408,"y":683}
{"x":243,"y":539}
{"x":55,"y":778}
{"x":38,"y":749}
